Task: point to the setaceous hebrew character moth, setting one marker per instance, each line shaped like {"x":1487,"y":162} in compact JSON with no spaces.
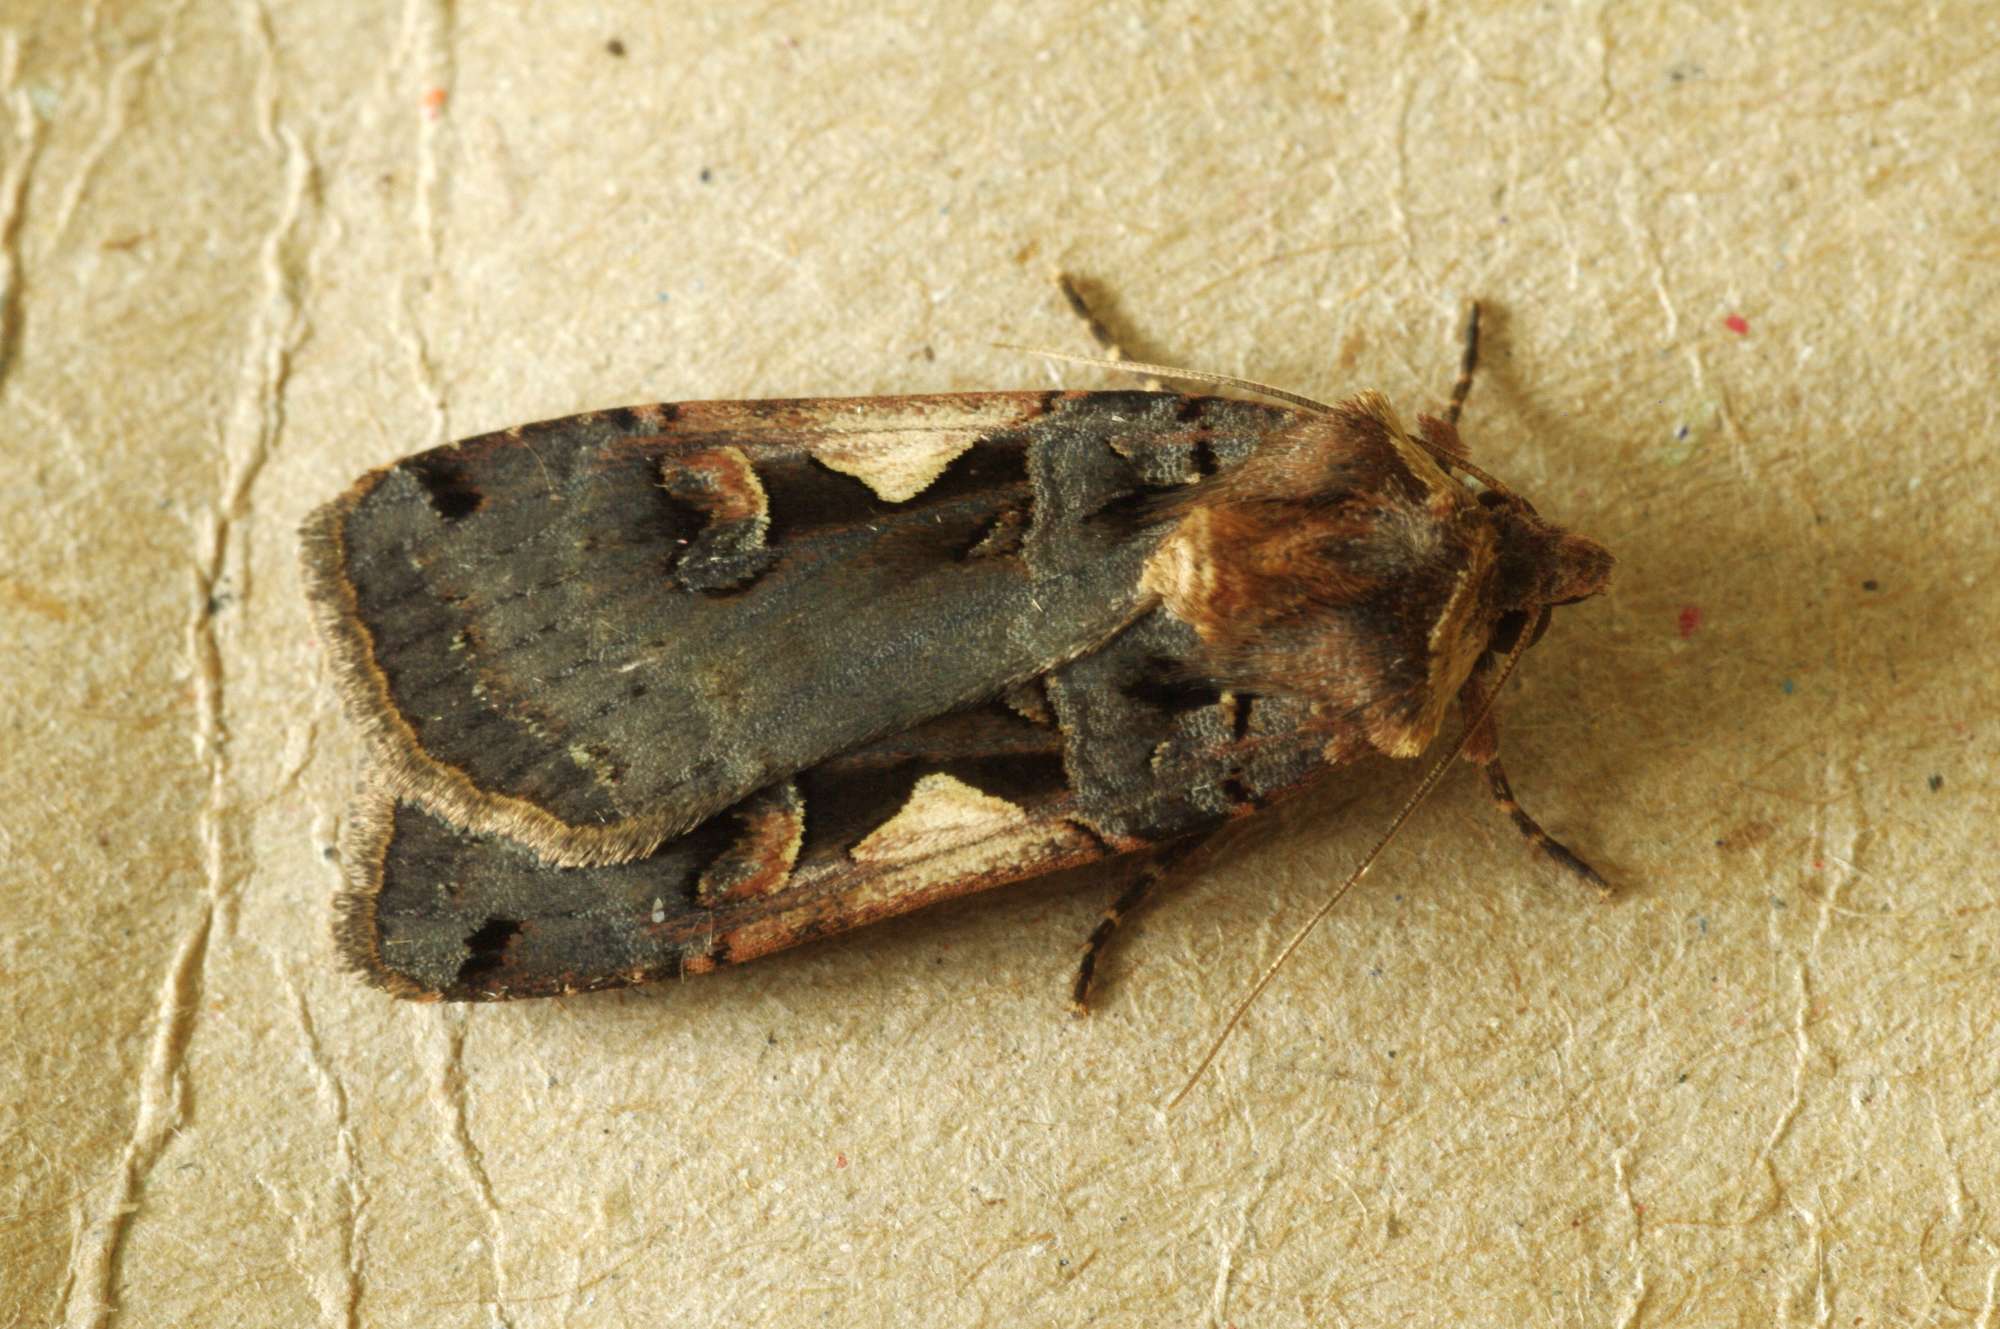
{"x":659,"y":689}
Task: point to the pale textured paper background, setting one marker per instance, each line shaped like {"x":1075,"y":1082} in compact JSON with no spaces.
{"x":252,"y":249}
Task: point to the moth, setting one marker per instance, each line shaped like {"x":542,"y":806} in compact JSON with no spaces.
{"x":659,"y":689}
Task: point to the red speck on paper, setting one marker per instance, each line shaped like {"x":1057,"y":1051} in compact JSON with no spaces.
{"x":839,"y":1162}
{"x":1737,"y":324}
{"x":1690,"y":621}
{"x":434,"y":102}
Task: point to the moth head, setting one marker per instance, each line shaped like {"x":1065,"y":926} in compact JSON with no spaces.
{"x":1539,"y":565}
{"x":1345,"y":564}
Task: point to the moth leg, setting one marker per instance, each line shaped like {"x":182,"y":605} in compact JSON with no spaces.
{"x":1151,"y":874}
{"x":1482,"y":748}
{"x":1467,"y":362}
{"x":1098,"y":332}
{"x":1532,"y":832}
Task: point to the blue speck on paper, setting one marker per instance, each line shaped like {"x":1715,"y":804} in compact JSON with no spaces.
{"x":1788,"y":687}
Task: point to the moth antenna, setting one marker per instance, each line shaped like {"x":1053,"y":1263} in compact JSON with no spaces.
{"x":1099,"y":333}
{"x":1410,"y":805}
{"x":1183,"y":375}
{"x":1453,"y":463}
{"x":1445,"y":459}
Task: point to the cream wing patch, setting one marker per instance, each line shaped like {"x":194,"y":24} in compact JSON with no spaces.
{"x":901,"y":455}
{"x":942,"y":814}
{"x":896,"y":466}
